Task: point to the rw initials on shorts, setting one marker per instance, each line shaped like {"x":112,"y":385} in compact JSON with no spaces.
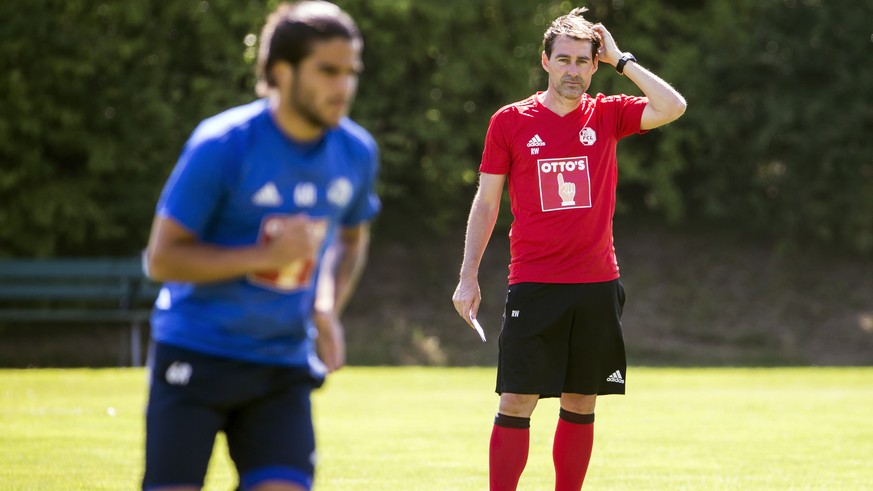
{"x":514,"y":313}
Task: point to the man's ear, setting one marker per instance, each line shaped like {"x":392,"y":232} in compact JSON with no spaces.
{"x":281,"y":73}
{"x":545,"y":61}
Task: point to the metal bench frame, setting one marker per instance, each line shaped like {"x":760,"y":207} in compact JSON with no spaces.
{"x":98,"y":290}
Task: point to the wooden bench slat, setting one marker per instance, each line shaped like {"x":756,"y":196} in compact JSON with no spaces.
{"x":71,"y":268}
{"x":74,"y":315}
{"x":71,"y":292}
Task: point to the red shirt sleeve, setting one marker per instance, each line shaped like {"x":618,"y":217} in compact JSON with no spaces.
{"x":630,"y":114}
{"x":497,"y":154}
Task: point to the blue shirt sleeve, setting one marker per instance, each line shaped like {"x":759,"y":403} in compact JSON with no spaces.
{"x":197,"y":184}
{"x":365,"y":204}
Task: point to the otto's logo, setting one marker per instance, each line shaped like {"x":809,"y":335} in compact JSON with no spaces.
{"x":548,"y":166}
{"x":564,"y":183}
{"x":587,"y":136}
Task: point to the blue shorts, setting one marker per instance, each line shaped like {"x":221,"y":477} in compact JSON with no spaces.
{"x":559,"y":338}
{"x":264,"y":410}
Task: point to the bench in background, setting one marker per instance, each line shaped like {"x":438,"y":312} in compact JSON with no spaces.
{"x":88,"y":290}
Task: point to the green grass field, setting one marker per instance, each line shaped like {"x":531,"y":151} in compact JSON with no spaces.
{"x":428,"y":428}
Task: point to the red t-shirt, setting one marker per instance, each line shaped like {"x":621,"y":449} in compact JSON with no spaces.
{"x":562,"y":174}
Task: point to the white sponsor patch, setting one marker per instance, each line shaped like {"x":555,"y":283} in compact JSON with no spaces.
{"x":564,"y":183}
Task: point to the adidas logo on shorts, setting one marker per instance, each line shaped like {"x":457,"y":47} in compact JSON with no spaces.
{"x":615,"y":377}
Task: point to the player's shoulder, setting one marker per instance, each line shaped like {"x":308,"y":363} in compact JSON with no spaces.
{"x":524,"y":107}
{"x":356,"y":137}
{"x":607,"y":98}
{"x":616,"y":98}
{"x":232,"y":122}
{"x":355,"y":132}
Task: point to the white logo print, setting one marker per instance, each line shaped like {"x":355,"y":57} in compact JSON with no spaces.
{"x":179,"y":373}
{"x":164,"y":300}
{"x":615,"y":377}
{"x":340,"y":192}
{"x":305,"y":194}
{"x":515,"y":313}
{"x":536,"y":141}
{"x":587,"y":136}
{"x":268,"y":195}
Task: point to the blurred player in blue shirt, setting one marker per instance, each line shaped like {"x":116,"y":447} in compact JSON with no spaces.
{"x":258,"y":198}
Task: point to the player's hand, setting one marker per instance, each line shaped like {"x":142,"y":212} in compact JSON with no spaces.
{"x":567,"y":190}
{"x":330,"y":343}
{"x":467,"y":298}
{"x":293,"y":238}
{"x":608,"y":52}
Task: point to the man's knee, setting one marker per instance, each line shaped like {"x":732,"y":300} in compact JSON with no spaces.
{"x":578,"y":403}
{"x":518,"y":405}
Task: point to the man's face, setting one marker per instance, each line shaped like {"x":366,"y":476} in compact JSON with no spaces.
{"x":322,"y":86}
{"x":570,"y":67}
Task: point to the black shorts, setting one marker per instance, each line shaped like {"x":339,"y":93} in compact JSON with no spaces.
{"x":264,"y":411}
{"x":560,"y":338}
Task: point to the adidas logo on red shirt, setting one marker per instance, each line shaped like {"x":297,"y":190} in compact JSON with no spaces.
{"x":536,"y":141}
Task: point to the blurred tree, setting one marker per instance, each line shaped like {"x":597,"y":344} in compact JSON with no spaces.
{"x":776,"y":139}
{"x":98,"y":98}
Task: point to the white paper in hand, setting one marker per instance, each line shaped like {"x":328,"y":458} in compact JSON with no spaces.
{"x":478,"y":327}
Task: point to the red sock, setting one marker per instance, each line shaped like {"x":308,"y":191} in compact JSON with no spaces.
{"x":571,"y":452}
{"x":507,"y":456}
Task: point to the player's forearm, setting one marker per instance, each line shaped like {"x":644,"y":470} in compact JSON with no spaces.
{"x":663,"y":98}
{"x":350,"y":262}
{"x":480,"y":226}
{"x":202,"y":263}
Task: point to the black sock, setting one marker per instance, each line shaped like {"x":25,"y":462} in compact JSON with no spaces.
{"x":511,"y":421}
{"x":579,"y":419}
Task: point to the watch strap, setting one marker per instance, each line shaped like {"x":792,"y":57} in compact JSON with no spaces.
{"x":626,"y":57}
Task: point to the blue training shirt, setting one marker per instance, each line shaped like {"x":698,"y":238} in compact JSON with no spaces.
{"x":238,"y":171}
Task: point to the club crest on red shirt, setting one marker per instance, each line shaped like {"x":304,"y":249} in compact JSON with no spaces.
{"x":587,"y":136}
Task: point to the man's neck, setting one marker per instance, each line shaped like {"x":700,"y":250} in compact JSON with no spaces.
{"x":293,"y":124}
{"x":559,"y":105}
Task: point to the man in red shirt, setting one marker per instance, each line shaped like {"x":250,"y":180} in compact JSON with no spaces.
{"x":561,"y":334}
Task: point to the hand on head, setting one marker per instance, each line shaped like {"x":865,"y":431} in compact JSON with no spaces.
{"x":608,"y":51}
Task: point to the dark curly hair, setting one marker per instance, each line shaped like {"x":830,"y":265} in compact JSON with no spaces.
{"x":291,"y":30}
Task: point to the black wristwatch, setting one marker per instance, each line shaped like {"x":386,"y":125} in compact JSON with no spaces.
{"x":626,"y":57}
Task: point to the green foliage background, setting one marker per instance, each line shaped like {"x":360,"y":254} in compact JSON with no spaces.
{"x":98,"y":97}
